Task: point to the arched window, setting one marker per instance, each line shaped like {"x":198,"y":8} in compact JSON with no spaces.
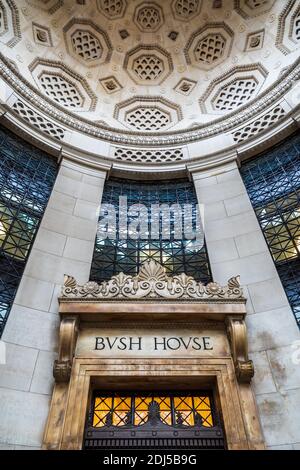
{"x":27,"y":176}
{"x":273,"y":184}
{"x":150,"y":220}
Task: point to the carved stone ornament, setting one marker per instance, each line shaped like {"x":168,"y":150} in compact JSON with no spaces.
{"x":237,"y":334}
{"x":152,"y":283}
{"x":101,"y":130}
{"x":62,"y":370}
{"x":67,"y":341}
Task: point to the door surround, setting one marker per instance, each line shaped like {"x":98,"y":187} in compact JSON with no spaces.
{"x":149,"y":305}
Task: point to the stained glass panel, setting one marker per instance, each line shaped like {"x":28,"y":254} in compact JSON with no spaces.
{"x":273,"y":184}
{"x":27,"y":176}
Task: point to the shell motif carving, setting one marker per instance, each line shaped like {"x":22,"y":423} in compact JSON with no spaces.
{"x":152,"y":282}
{"x":151,"y":270}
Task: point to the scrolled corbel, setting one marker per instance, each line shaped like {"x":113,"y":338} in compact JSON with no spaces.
{"x":67,"y":341}
{"x":237,"y":333}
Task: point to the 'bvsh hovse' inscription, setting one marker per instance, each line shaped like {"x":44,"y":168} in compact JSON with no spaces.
{"x":159,"y":343}
{"x":151,"y":343}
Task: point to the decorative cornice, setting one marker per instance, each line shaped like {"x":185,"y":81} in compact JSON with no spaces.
{"x":152,"y":283}
{"x":154,"y":325}
{"x":220,"y":125}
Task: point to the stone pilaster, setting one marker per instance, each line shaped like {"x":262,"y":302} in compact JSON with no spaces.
{"x":236,"y":245}
{"x":64,"y":244}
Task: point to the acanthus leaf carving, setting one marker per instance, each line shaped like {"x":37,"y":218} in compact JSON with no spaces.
{"x":152,"y":282}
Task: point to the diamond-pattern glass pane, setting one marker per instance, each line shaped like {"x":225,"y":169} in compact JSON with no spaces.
{"x":177,"y":255}
{"x":141,"y":409}
{"x":273,"y":184}
{"x":26,"y":179}
{"x":134,"y":409}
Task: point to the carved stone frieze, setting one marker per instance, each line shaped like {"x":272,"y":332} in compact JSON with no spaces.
{"x":37,"y":120}
{"x":149,"y":155}
{"x":152,"y":283}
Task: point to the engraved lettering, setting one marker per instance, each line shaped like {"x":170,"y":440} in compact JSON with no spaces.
{"x":157,"y":343}
{"x":135,"y":343}
{"x":206,"y":343}
{"x":111,"y":345}
{"x":174,"y":340}
{"x":123,"y":344}
{"x":99,"y":344}
{"x":186,"y":345}
{"x":196,"y":343}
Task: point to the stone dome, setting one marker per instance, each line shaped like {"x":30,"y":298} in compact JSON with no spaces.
{"x":144,"y":73}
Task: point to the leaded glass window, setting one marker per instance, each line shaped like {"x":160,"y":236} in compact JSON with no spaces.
{"x":154,"y":419}
{"x":26,"y":178}
{"x":273,"y":184}
{"x":177,"y":253}
{"x":121,"y":410}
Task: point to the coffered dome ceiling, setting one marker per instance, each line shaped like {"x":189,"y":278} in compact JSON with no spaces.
{"x":146,"y":66}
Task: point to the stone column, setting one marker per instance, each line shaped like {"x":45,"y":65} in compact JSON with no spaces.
{"x":64,"y":245}
{"x":236,"y":245}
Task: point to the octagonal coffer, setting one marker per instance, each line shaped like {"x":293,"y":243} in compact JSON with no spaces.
{"x":253,"y":8}
{"x":186,"y":9}
{"x":148,"y":65}
{"x":87,"y":43}
{"x":148,"y":113}
{"x":62,"y":85}
{"x":209,"y":46}
{"x":148,"y":16}
{"x":233,"y":89}
{"x":112,"y":9}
